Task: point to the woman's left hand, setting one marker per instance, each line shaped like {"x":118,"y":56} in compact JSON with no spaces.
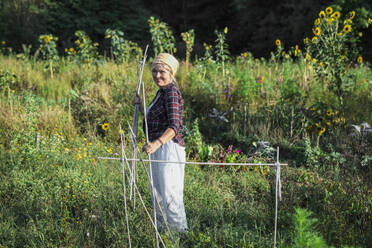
{"x":151,"y":147}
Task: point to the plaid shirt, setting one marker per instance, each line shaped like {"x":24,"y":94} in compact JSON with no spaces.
{"x":165,"y":113}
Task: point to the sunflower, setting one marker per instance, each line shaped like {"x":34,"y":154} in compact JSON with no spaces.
{"x":321,"y":131}
{"x":306,"y":40}
{"x":322,"y":14}
{"x":329,"y":112}
{"x":348,"y":21}
{"x":360,"y":59}
{"x":317,"y":22}
{"x":352,"y":15}
{"x":316,"y":31}
{"x":329,"y":10}
{"x":277,"y":42}
{"x":336,"y":15}
{"x":105,"y":126}
{"x":347,"y":28}
{"x":330,"y":20}
{"x":308,"y":57}
{"x":314,"y":39}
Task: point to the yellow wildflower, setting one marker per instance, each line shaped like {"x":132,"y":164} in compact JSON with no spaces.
{"x":307,"y":56}
{"x":329,"y":112}
{"x":322,"y":14}
{"x":225,"y":30}
{"x":105,"y":126}
{"x":277,"y":42}
{"x":321,"y":131}
{"x":313,"y":40}
{"x":317,"y":22}
{"x":66,"y":50}
{"x":306,"y":40}
{"x":348,"y":21}
{"x":360,"y":34}
{"x":71,"y":49}
{"x":316,"y":31}
{"x":244,"y":54}
{"x":330,"y":20}
{"x":329,"y":10}
{"x":3,"y":42}
{"x":352,"y":15}
{"x":347,"y":29}
{"x":321,"y":64}
{"x":360,"y":59}
{"x":336,"y":15}
{"x":314,"y":60}
{"x":369,"y":20}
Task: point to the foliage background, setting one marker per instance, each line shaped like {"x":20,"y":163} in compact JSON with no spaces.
{"x":253,"y":24}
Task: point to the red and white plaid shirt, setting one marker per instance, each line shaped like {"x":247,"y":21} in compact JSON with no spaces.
{"x":165,"y":113}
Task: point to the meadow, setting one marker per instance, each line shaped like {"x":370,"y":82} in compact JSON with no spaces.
{"x":61,"y":108}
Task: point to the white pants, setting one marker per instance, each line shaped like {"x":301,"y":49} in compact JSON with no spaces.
{"x":168,"y":181}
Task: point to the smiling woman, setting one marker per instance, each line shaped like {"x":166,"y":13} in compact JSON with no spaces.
{"x":164,"y":123}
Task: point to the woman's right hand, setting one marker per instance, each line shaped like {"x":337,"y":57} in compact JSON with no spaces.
{"x":136,"y":100}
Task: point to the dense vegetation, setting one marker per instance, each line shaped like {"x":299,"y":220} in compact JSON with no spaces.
{"x":61,"y":108}
{"x":253,"y":24}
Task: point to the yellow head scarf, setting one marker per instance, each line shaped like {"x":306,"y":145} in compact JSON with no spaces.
{"x":168,"y":60}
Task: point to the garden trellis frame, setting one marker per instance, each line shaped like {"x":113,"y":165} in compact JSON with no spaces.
{"x":132,"y":171}
{"x":124,"y":160}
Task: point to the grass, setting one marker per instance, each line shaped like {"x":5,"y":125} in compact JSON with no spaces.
{"x":54,"y":191}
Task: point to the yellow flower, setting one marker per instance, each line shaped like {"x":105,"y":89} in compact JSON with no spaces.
{"x":244,"y":54}
{"x":342,"y":57}
{"x":314,"y":60}
{"x":339,"y":34}
{"x":348,"y":21}
{"x":306,"y":40}
{"x":321,"y":64}
{"x":225,"y":30}
{"x":105,"y":126}
{"x":66,"y":50}
{"x":360,"y":59}
{"x":316,"y":31}
{"x":329,"y":10}
{"x":330,"y":20}
{"x":336,"y":15}
{"x":322,"y":14}
{"x":352,"y":15}
{"x":307,"y":56}
{"x":321,"y":131}
{"x":277,"y":42}
{"x":313,"y":40}
{"x":317,"y":22}
{"x":360,"y":34}
{"x":328,"y":123}
{"x":295,"y":53}
{"x":329,"y":112}
{"x":347,"y":29}
{"x":3,"y":42}
{"x":71,"y":49}
{"x":369,"y":20}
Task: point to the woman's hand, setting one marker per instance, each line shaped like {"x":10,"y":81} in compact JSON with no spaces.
{"x":151,"y":147}
{"x":136,"y":100}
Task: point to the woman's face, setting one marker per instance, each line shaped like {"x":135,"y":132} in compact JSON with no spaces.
{"x":162,"y":77}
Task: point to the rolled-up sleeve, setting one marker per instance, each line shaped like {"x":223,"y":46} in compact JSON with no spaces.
{"x":174,"y":109}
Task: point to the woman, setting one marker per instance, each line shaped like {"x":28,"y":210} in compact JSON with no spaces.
{"x":164,"y":121}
